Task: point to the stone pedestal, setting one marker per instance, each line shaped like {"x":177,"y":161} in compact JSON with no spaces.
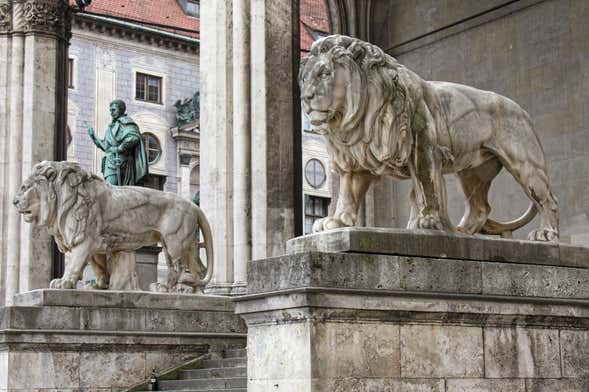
{"x":392,"y":310}
{"x":107,"y":340}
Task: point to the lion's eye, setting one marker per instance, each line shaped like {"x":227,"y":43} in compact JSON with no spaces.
{"x":324,"y":74}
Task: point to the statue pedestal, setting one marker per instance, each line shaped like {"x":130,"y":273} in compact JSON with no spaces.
{"x":393,"y":310}
{"x":88,"y":340}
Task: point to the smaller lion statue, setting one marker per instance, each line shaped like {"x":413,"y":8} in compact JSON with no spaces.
{"x":379,"y":118}
{"x":98,"y":223}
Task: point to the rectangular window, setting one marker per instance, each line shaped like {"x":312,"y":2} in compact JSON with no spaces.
{"x":148,"y":88}
{"x":154,"y":181}
{"x":193,"y":8}
{"x":315,"y":208}
{"x":70,"y":73}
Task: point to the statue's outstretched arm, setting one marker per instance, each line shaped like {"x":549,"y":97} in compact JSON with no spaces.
{"x":97,"y":141}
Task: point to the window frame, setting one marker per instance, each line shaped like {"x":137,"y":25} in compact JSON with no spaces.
{"x":144,"y":137}
{"x":310,"y":200}
{"x":324,"y":173}
{"x":162,"y":90}
{"x":71,"y":79}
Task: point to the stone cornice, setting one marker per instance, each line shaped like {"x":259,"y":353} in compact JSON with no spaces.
{"x":51,"y":17}
{"x":136,"y":32}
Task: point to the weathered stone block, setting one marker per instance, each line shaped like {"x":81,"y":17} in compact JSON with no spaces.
{"x":575,"y":353}
{"x":317,"y":269}
{"x":275,"y":351}
{"x":32,"y":370}
{"x":483,"y":385}
{"x":441,"y":351}
{"x":378,"y":385}
{"x":561,"y":385}
{"x":535,"y":281}
{"x":111,"y":369}
{"x":358,"y":350}
{"x":522,"y":353}
{"x":425,"y":274}
{"x":436,"y":244}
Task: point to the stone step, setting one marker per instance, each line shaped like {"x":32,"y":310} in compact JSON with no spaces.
{"x":204,"y":384}
{"x":235,"y":353}
{"x":224,"y":362}
{"x":226,"y":372}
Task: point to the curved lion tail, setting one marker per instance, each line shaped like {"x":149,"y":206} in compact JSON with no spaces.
{"x":498,"y":228}
{"x":208,"y":241}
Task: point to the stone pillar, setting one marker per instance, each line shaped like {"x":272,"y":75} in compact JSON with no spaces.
{"x":250,"y":48}
{"x":242,"y":233}
{"x":33,"y":43}
{"x":217,"y":139}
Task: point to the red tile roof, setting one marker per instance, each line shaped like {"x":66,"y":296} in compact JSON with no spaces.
{"x":164,"y":12}
{"x":313,"y":16}
{"x":170,"y":14}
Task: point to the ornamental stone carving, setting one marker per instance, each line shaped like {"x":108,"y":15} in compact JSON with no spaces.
{"x":100,"y":224}
{"x":379,"y":118}
{"x":5,"y":17}
{"x":38,"y":16}
{"x":41,"y":15}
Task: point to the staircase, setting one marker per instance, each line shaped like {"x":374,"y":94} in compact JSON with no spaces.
{"x":225,"y":374}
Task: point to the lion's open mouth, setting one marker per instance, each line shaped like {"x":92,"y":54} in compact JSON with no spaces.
{"x":27,"y":216}
{"x":318,"y":117}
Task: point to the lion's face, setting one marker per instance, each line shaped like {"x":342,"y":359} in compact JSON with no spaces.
{"x":332,"y":92}
{"x":28,"y":201}
{"x":323,"y":90}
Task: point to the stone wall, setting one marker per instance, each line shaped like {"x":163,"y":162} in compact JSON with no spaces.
{"x":532,"y":51}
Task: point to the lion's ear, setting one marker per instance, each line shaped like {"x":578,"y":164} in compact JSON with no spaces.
{"x":355,"y":96}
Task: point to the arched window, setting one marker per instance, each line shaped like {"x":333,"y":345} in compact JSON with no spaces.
{"x":315,"y":173}
{"x":153,"y":148}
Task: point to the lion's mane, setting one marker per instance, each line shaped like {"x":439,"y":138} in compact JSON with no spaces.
{"x":68,"y":206}
{"x":375,"y":126}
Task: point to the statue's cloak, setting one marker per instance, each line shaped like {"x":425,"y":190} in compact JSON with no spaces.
{"x":124,"y":134}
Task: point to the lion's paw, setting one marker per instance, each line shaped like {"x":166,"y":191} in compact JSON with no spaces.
{"x":431,"y":222}
{"x":62,"y":283}
{"x":158,"y":288}
{"x":330,"y":223}
{"x":543,"y":235}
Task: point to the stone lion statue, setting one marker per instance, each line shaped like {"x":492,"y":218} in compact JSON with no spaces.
{"x":379,"y":118}
{"x":97,"y":223}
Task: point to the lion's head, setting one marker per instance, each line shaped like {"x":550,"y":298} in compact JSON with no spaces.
{"x":54,"y":196}
{"x":352,"y":91}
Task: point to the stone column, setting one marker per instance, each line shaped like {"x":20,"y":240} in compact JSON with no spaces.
{"x":249,"y":121}
{"x":276,"y":124}
{"x":33,"y":43}
{"x":242,"y":248}
{"x":217,"y":136}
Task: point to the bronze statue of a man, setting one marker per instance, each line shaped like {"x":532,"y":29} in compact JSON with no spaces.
{"x":125,"y":162}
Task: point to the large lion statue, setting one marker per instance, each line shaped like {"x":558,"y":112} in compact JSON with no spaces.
{"x":379,"y":118}
{"x":97,"y":223}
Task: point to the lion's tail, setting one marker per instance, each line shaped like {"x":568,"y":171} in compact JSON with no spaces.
{"x":499,"y":228}
{"x":208,"y":241}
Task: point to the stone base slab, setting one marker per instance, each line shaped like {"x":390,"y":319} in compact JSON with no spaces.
{"x":107,"y":340}
{"x":384,"y":319}
{"x":437,"y":244}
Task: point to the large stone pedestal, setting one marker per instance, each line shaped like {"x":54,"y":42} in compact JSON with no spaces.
{"x":390,"y":310}
{"x":107,"y":340}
